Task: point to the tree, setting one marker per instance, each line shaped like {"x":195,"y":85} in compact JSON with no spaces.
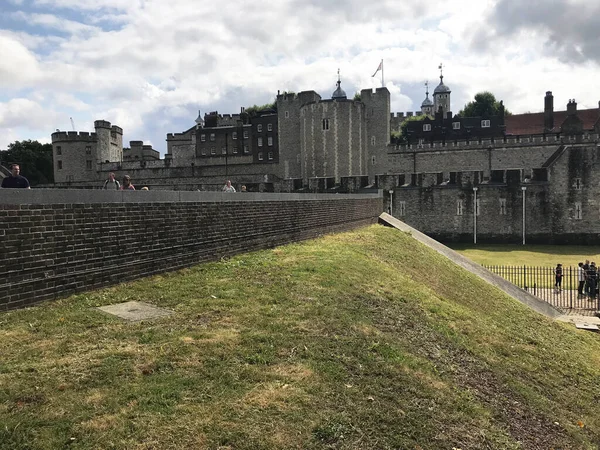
{"x":34,"y":158}
{"x":357,"y":97}
{"x":402,"y":136}
{"x":485,"y":104}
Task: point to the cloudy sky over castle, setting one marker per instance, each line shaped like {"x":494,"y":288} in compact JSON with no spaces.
{"x":149,"y":65}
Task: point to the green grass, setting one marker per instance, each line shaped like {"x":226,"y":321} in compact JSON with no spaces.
{"x":361,"y":340}
{"x":529,"y":255}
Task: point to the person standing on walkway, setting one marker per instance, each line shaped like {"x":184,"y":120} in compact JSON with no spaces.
{"x":228,"y":187}
{"x":15,"y":180}
{"x":581,"y":279}
{"x":591,"y":281}
{"x":558,"y":273}
{"x":127,"y":186}
{"x":111,"y":183}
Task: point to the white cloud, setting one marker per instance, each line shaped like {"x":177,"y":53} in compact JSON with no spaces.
{"x":162,"y":61}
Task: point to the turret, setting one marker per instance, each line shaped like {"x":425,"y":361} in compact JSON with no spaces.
{"x":441,"y":96}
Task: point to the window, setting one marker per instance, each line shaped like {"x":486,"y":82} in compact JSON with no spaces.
{"x":578,"y":210}
{"x":213,"y":151}
{"x":58,"y":150}
{"x":502,"y":206}
{"x":402,"y":208}
{"x":246,"y":149}
{"x":88,"y":150}
{"x":113,"y":134}
{"x":456,"y":125}
{"x":270,"y":141}
{"x":223,"y":150}
{"x":203,"y":152}
{"x":485,"y":124}
{"x":245,"y":134}
{"x":88,"y":165}
{"x":459,"y":207}
{"x":287,"y":114}
{"x":212,"y":137}
{"x":269,"y":127}
{"x":373,"y":160}
{"x":577,"y":184}
{"x":235,"y":150}
{"x":59,"y":165}
{"x":202,"y":138}
{"x":260,"y":156}
{"x":372,"y":140}
{"x":427,"y":127}
{"x":260,"y":143}
{"x":259,"y":127}
{"x":326,"y":124}
{"x":234,"y":135}
{"x":270,"y":156}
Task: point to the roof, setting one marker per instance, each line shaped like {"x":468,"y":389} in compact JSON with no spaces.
{"x":427,"y":101}
{"x":339,"y":92}
{"x":533,"y":123}
{"x":441,"y":88}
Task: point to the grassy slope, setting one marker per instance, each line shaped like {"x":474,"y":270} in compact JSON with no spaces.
{"x":530,"y":255}
{"x":356,"y":340}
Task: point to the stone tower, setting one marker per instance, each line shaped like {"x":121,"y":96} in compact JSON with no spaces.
{"x":377,"y":118}
{"x":427,"y":105}
{"x":441,"y":96}
{"x":110,"y":142}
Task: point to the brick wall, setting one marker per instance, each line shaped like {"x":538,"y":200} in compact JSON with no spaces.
{"x":56,"y":243}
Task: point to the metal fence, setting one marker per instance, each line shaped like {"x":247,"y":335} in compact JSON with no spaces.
{"x":541,"y":282}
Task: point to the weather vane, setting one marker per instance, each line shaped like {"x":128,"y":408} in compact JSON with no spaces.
{"x":441,"y":70}
{"x":427,"y":86}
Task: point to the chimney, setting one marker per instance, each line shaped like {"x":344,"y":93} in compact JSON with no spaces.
{"x":572,"y":107}
{"x":549,"y":111}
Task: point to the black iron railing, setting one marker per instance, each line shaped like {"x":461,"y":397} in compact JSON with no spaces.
{"x":570,"y":294}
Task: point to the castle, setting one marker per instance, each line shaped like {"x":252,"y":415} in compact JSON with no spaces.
{"x":496,"y":178}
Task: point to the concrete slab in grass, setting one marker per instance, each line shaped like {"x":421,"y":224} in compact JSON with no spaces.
{"x":135,"y":311}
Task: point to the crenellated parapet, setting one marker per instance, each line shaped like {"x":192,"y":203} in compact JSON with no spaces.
{"x":402,"y":115}
{"x":73,"y":136}
{"x":510,"y":140}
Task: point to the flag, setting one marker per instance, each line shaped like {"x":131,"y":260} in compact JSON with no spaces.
{"x":380,"y":67}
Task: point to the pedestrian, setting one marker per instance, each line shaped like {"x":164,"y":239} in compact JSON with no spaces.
{"x":111,"y":183}
{"x":228,"y":187}
{"x":581,"y":279}
{"x":586,"y":267}
{"x":15,"y":180}
{"x":592,"y":278}
{"x":243,"y":188}
{"x":127,"y":186}
{"x":558,"y":273}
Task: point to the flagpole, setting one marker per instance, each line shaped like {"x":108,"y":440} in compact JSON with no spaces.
{"x":382,"y":85}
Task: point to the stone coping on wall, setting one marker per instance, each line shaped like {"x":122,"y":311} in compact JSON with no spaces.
{"x":69,"y":196}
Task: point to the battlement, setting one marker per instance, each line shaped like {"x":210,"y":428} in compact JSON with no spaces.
{"x":374,"y":93}
{"x":135,"y":143}
{"x":117,"y":129}
{"x":401,"y":115}
{"x":509,"y":140}
{"x":179,"y":137}
{"x":102,"y":124}
{"x":73,"y":136}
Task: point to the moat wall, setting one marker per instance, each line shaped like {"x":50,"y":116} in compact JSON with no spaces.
{"x":58,"y":242}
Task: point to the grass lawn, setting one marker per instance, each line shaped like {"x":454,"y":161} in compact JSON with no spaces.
{"x":529,"y":255}
{"x":360,"y":340}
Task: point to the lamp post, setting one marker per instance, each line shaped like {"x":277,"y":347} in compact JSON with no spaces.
{"x":226,"y":152}
{"x":391,"y":202}
{"x":474,"y":215}
{"x":524,"y":189}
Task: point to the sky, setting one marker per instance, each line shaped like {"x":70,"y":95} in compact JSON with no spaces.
{"x":149,"y":66}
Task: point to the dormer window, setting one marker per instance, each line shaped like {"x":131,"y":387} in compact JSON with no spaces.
{"x":456,"y":125}
{"x":427,"y":127}
{"x":485,"y":124}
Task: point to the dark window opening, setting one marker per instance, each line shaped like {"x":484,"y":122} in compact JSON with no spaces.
{"x":497,"y":176}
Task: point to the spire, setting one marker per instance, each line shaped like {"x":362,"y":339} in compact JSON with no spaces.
{"x":427,"y":102}
{"x":441,"y":67}
{"x":339,"y":93}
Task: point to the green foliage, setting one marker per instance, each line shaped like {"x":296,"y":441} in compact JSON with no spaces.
{"x":254,"y":110}
{"x":484,"y":104}
{"x":401,"y":137}
{"x":357,"y":97}
{"x":34,"y":158}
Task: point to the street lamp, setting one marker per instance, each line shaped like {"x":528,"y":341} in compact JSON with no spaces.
{"x":391,"y":202}
{"x":474,"y":215}
{"x":524,"y":189}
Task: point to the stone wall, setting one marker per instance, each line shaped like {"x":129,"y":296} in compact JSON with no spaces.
{"x":58,"y":242}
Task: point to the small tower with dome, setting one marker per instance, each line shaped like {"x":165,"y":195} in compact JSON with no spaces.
{"x":427,"y":105}
{"x":339,"y":93}
{"x":441,"y":96}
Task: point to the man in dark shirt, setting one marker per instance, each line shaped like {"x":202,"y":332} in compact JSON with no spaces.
{"x":15,"y":180}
